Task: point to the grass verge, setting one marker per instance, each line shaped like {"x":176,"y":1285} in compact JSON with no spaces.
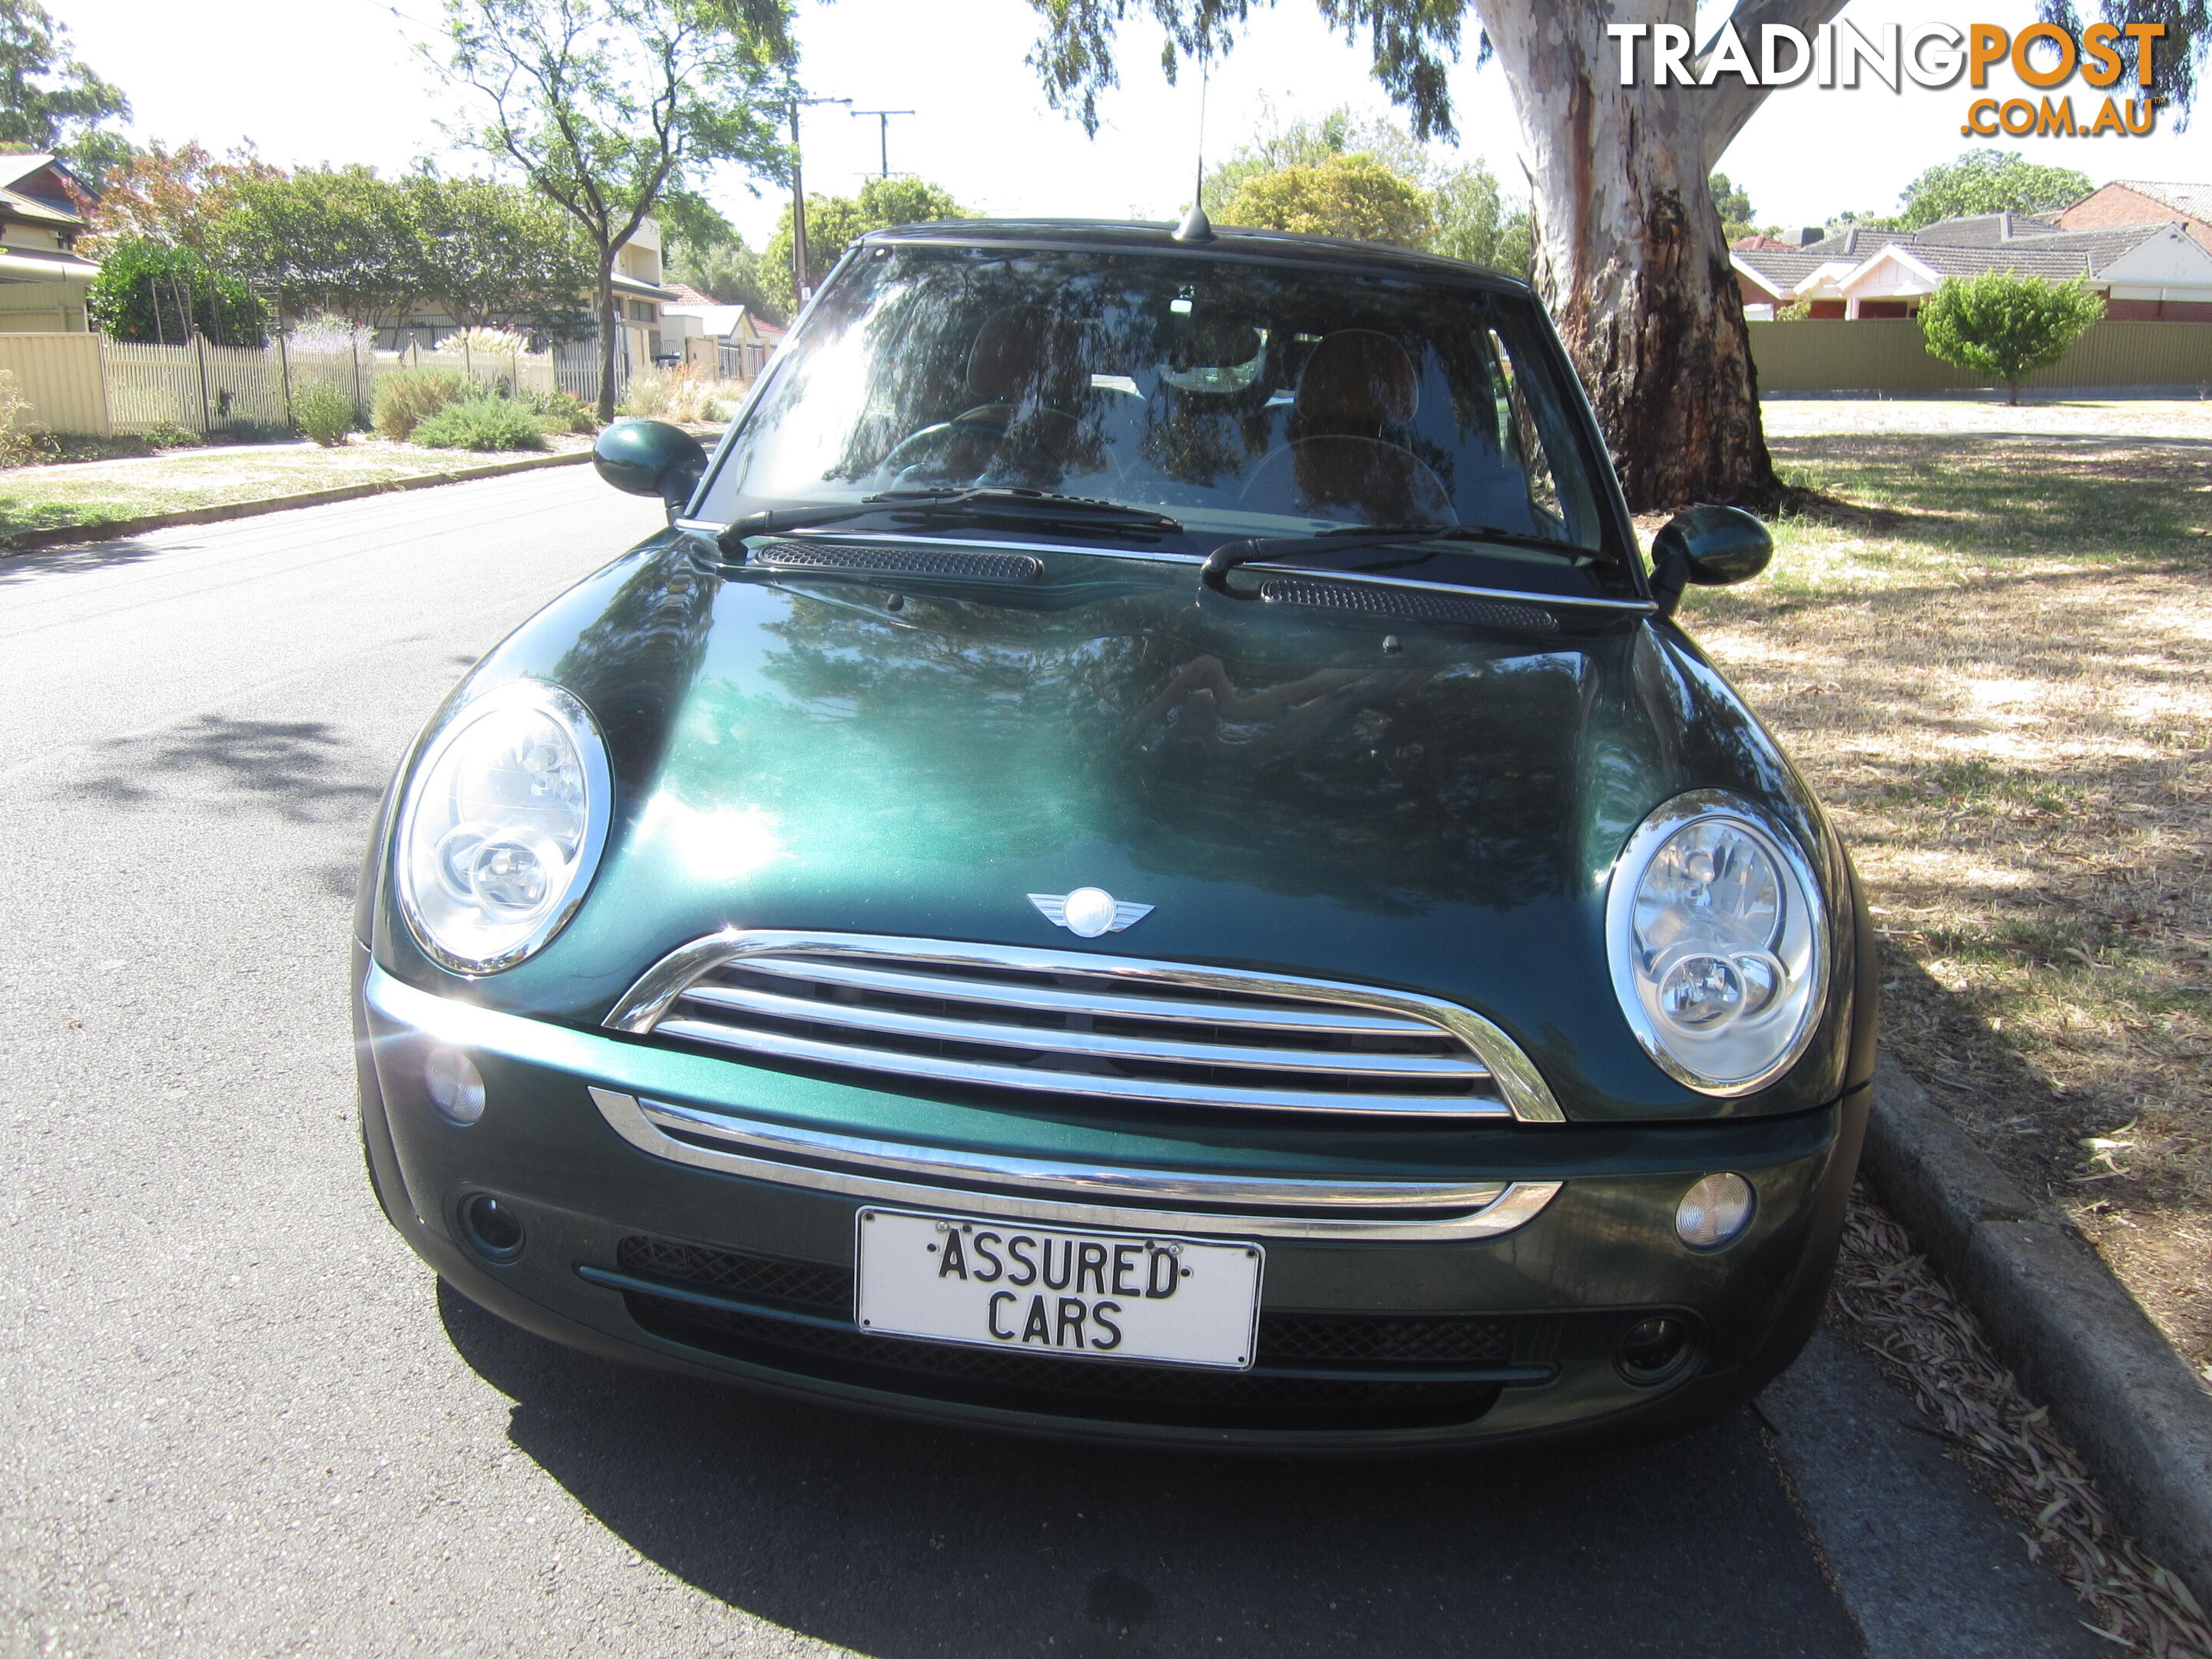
{"x":1993,"y":662}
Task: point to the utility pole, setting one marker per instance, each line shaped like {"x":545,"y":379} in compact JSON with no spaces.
{"x":883,"y":131}
{"x":799,"y":283}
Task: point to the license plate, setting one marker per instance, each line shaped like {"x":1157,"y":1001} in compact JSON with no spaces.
{"x":1157,"y":1297}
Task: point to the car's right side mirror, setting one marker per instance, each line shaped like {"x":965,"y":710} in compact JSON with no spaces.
{"x":651,"y":458}
{"x":1711,"y":546}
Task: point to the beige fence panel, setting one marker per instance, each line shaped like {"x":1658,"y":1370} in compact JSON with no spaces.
{"x":1887,"y":355}
{"x":151,"y":385}
{"x":60,"y":376}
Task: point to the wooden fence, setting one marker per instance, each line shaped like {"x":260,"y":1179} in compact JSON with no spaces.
{"x":84,"y":383}
{"x":1888,"y":356}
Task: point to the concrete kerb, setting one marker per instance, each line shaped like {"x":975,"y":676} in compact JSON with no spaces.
{"x":62,"y":536}
{"x":2074,"y":1337}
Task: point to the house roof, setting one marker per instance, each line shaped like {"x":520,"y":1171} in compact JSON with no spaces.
{"x":716,"y":320}
{"x":1854,"y":242}
{"x":632,"y":286}
{"x":25,"y":195}
{"x":1957,"y":247}
{"x":2193,"y":201}
{"x":687,"y":296}
{"x":37,"y":264}
{"x":1778,"y":270}
{"x":1762,"y":243}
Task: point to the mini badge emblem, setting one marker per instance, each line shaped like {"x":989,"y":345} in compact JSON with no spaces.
{"x":1089,"y":911}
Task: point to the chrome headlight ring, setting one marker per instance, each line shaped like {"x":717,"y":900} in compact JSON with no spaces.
{"x":500,"y":827}
{"x":1716,"y":931}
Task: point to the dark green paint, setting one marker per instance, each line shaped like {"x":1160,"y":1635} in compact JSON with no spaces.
{"x":650,"y":457}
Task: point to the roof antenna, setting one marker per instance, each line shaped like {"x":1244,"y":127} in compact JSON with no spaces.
{"x":1195,"y":225}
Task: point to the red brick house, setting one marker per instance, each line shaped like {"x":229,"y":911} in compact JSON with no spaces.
{"x":2143,"y":202}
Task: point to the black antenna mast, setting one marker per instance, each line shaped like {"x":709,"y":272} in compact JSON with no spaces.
{"x":1195,"y":225}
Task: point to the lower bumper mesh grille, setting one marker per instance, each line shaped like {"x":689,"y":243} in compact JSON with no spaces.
{"x":1395,"y":1348}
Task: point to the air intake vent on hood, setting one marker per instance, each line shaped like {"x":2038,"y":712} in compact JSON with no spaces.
{"x":1412,"y":604}
{"x":897,"y":561}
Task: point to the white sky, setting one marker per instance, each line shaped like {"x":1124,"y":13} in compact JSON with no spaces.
{"x":336,"y":81}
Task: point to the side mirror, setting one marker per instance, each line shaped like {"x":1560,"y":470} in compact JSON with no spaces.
{"x":1711,"y":546}
{"x":651,"y":458}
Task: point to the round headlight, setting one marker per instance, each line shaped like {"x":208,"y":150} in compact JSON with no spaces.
{"x":501,"y":827}
{"x":1719,"y":942}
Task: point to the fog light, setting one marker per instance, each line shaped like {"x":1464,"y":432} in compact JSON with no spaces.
{"x":455,"y":1086}
{"x":1654,"y":1349}
{"x":1712,"y":1213}
{"x":493,"y":1229}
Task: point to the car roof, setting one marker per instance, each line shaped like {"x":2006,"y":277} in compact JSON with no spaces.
{"x":1136,"y":236}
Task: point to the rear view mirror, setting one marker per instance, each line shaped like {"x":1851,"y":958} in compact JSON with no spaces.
{"x":651,"y":458}
{"x":1711,"y":546}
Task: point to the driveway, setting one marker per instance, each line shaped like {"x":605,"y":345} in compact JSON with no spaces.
{"x":239,"y":1419}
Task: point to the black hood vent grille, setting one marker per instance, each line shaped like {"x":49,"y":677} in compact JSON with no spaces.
{"x":897,"y":562}
{"x":1411,"y":604}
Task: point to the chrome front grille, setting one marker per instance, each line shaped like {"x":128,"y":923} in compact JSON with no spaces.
{"x":1068,"y":1024}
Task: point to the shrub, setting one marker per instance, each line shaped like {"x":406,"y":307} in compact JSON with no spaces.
{"x":2007,"y":327}
{"x":324,"y":413}
{"x":167,"y":435}
{"x":686,"y":392}
{"x":19,"y":444}
{"x":152,"y":291}
{"x":559,"y":411}
{"x":407,"y":397}
{"x":482,"y":422}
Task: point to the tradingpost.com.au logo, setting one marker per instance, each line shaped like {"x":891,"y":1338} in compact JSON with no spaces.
{"x":2043,"y":56}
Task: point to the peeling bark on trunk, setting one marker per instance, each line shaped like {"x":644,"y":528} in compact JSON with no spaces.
{"x":1630,"y":254}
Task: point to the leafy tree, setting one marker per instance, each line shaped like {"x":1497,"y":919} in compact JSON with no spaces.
{"x":728,"y":273}
{"x":1733,"y":204}
{"x":835,"y":222}
{"x":616,"y":109}
{"x":1475,"y":222}
{"x":494,"y":256}
{"x":2175,"y":59}
{"x":164,"y":292}
{"x":170,"y":197}
{"x":1629,"y":248}
{"x":2007,"y":327}
{"x":51,"y":100}
{"x":323,"y":240}
{"x":1353,"y":196}
{"x":1987,"y":181}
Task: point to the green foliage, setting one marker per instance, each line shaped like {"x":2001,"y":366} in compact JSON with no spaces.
{"x":1733,"y":204}
{"x":146,"y":291}
{"x":1987,"y":181}
{"x":492,"y":255}
{"x":558,"y":411}
{"x":835,"y":222}
{"x":170,"y":197}
{"x":1350,"y":196}
{"x":50,"y":99}
{"x":2007,"y":327}
{"x":728,"y":273}
{"x":483,"y":422}
{"x":1475,"y":222}
{"x":324,"y":413}
{"x":608,"y":110}
{"x":408,"y":396}
{"x":164,"y":435}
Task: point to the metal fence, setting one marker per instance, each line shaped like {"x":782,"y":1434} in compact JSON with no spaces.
{"x":1888,"y":355}
{"x":83,"y":383}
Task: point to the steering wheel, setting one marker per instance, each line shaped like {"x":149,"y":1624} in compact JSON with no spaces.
{"x":931,"y":442}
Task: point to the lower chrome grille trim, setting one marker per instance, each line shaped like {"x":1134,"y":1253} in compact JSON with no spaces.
{"x":1079,"y":1024}
{"x":1069,"y":1194}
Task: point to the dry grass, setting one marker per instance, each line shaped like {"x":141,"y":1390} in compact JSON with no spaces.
{"x":1995,"y":666}
{"x":1909,"y":1321}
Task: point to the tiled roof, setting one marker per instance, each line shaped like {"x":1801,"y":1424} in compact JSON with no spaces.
{"x":1783,"y":269}
{"x":1762,"y":244}
{"x":2193,"y":200}
{"x":1855,"y":242}
{"x":1983,"y":230}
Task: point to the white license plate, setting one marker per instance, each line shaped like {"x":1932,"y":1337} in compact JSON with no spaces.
{"x":992,"y":1284}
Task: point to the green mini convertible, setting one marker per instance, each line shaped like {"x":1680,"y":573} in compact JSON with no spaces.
{"x":1141,"y":860}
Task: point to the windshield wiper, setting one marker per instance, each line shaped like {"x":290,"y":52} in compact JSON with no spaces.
{"x":974,"y":503}
{"x":1354,"y":539}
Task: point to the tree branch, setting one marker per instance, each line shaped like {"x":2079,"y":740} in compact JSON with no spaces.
{"x":1728,"y":102}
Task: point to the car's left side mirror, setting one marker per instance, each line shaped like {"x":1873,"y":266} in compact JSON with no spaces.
{"x":651,"y":458}
{"x":1711,"y":546}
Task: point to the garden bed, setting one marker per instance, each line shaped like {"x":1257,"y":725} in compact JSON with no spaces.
{"x":1994,"y":664}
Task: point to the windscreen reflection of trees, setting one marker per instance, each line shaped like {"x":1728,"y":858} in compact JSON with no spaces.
{"x":979,"y":734}
{"x":1204,"y":393}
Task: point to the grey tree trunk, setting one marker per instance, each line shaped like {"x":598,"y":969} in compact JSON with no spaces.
{"x":608,"y":333}
{"x":1630,"y":254}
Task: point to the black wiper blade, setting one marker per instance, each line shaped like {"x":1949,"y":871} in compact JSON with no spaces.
{"x":1354,"y":539}
{"x":974,"y":503}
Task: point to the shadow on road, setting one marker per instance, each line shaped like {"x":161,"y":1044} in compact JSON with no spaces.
{"x":304,"y":771}
{"x":901,"y":1542}
{"x":72,"y":561}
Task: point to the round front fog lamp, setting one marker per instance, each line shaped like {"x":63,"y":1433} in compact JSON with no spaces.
{"x":1653,"y":1350}
{"x":495,"y":1230}
{"x":1712,"y":1213}
{"x":455,"y":1086}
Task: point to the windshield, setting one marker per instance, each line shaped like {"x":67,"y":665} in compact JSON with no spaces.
{"x":1239,"y":399}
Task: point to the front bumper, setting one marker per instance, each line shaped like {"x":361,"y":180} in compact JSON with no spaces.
{"x":1426,"y":1331}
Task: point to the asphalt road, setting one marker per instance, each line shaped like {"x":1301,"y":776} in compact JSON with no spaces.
{"x":238,"y":1418}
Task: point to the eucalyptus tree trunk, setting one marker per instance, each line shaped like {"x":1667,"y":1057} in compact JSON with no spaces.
{"x":1630,"y":254}
{"x":610,"y":336}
